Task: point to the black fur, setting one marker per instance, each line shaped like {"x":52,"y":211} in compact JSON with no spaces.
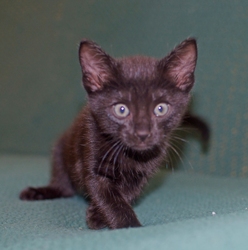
{"x":121,"y":137}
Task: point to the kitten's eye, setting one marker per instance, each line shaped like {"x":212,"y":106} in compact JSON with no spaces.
{"x":121,"y":110}
{"x":161,"y":109}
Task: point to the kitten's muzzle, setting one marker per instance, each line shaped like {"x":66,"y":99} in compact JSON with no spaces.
{"x":142,"y":135}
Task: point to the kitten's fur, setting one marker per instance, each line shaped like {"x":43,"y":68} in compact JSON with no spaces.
{"x":110,"y":157}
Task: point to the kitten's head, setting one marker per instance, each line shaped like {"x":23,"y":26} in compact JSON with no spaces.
{"x":138,"y":100}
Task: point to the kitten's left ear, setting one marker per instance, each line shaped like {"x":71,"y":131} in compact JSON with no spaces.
{"x":98,"y":68}
{"x":179,"y":66}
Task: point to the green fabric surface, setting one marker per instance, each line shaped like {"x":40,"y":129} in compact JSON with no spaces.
{"x":179,"y":210}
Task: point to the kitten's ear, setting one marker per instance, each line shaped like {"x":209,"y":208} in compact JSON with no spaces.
{"x":97,"y":67}
{"x":180,"y":64}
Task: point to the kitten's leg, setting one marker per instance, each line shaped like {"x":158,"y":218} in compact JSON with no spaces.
{"x":110,"y":206}
{"x":42,"y":193}
{"x":94,"y":217}
{"x":60,"y":185}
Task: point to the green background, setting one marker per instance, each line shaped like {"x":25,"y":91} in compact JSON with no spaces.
{"x":40,"y":78}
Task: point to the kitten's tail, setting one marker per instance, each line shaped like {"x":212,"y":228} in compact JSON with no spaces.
{"x":198,"y":123}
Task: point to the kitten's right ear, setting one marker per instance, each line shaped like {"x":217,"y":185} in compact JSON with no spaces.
{"x":179,"y":65}
{"x":97,"y":67}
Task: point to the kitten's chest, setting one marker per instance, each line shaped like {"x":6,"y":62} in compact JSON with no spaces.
{"x":127,"y":174}
{"x":125,"y":167}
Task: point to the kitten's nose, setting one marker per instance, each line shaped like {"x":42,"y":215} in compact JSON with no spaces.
{"x":142,"y":134}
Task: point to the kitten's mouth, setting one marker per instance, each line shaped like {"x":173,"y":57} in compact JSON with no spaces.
{"x":143,"y":152}
{"x":141,"y":147}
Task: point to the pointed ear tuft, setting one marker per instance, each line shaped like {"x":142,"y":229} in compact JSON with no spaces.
{"x":97,"y":67}
{"x":179,"y":65}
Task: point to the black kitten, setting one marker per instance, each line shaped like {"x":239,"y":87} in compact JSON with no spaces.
{"x":121,"y":137}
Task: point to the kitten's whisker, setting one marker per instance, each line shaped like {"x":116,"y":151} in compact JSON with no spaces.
{"x":179,"y":138}
{"x":175,"y":151}
{"x":171,"y":160}
{"x":175,"y":138}
{"x":114,"y":152}
{"x":106,"y":142}
{"x":183,"y":129}
{"x":125,"y":148}
{"x":179,"y":149}
{"x":115,"y":158}
{"x":105,"y":155}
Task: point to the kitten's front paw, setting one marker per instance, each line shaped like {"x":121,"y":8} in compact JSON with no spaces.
{"x":135,"y":223}
{"x":94,"y":218}
{"x":125,"y":224}
{"x":31,"y":194}
{"x":42,"y":193}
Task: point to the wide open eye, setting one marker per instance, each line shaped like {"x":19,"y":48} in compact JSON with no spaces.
{"x":121,"y":110}
{"x":161,"y":109}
